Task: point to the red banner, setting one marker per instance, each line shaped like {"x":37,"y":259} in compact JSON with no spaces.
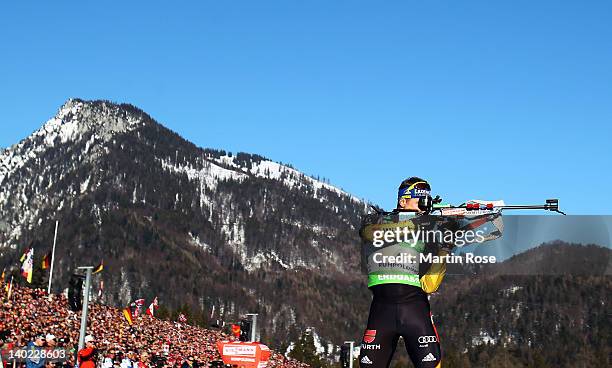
{"x":244,"y":354}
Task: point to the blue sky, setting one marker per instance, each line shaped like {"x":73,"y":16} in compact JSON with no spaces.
{"x":487,"y":99}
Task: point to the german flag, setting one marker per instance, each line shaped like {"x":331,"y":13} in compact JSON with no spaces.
{"x":46,"y":261}
{"x":127,"y":313}
{"x":99,"y":268}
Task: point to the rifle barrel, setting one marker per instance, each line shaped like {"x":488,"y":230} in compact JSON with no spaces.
{"x":550,"y":205}
{"x":525,"y":207}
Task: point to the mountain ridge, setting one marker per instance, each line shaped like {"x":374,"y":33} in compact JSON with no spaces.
{"x":199,"y":227}
{"x":101,"y":120}
{"x":68,"y":128}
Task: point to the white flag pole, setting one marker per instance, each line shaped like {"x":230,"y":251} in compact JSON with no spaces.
{"x":10,"y":290}
{"x":52,"y":260}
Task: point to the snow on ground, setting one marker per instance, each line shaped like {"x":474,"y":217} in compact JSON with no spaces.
{"x":195,"y":241}
{"x":483,"y":338}
{"x":511,"y":290}
{"x":319,"y":347}
{"x":289,"y":176}
{"x":293,"y":178}
{"x":265,"y":257}
{"x":210,"y":174}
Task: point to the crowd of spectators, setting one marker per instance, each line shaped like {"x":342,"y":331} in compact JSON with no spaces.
{"x":31,"y":317}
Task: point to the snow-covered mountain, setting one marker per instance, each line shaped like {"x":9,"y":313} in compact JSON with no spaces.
{"x":196,"y":226}
{"x":23,"y":167}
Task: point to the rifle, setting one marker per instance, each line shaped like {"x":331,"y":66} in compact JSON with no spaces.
{"x":476,"y":207}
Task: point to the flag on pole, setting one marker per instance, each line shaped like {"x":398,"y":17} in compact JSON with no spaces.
{"x":3,"y":274}
{"x":127,"y":313}
{"x":28,"y":265}
{"x":182,"y":318}
{"x":46,"y":261}
{"x":24,"y":255}
{"x":152,"y":308}
{"x":99,"y":268}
